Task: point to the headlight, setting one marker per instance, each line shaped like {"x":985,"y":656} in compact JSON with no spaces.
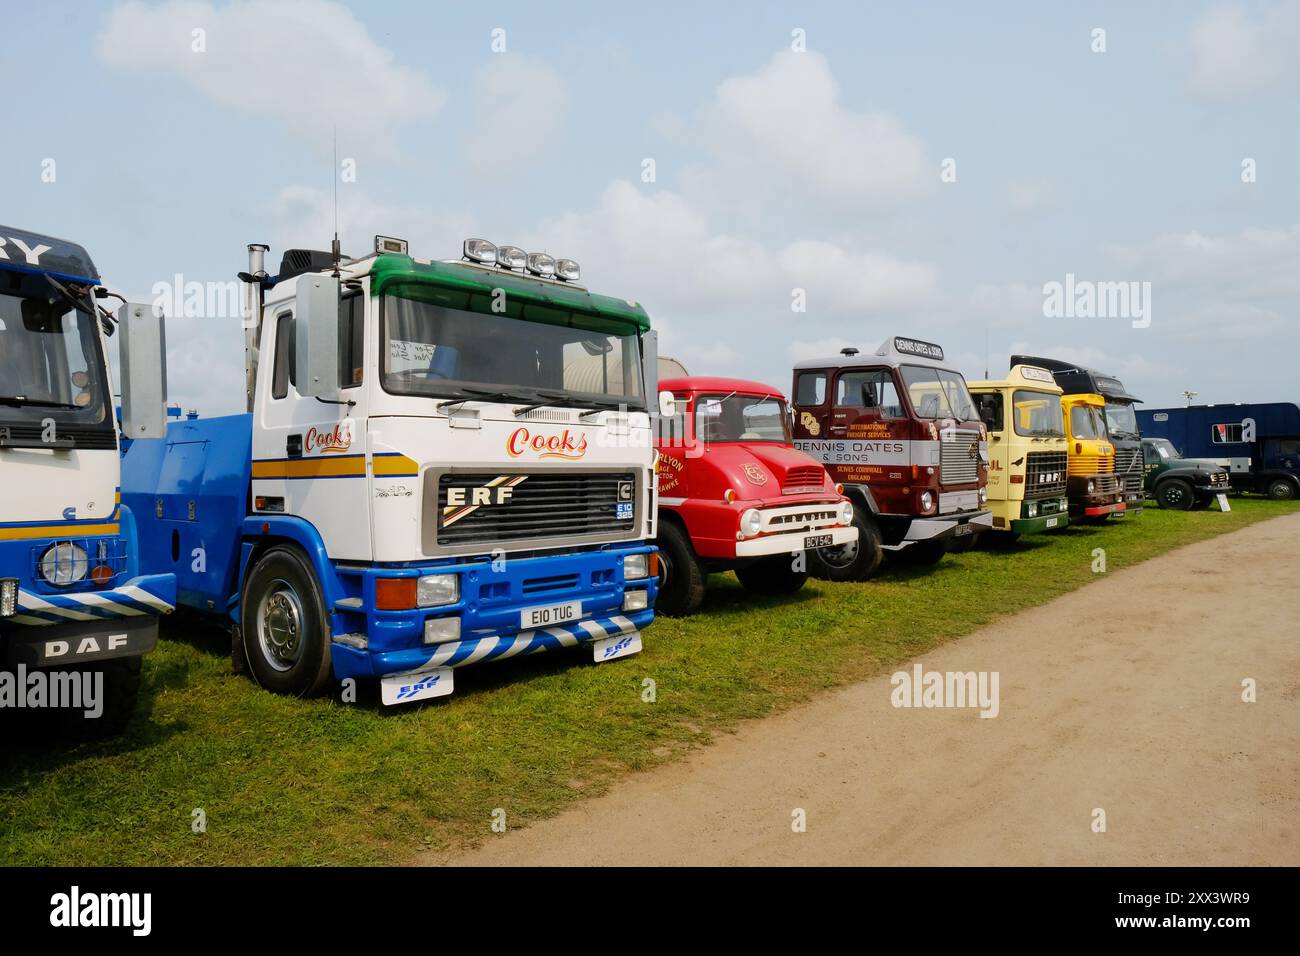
{"x":1031,"y":509}
{"x":927,"y":500}
{"x":63,"y":563}
{"x":846,"y":512}
{"x":637,"y":599}
{"x":984,"y":495}
{"x":436,"y":589}
{"x":751,"y":523}
{"x":635,"y":566}
{"x":1092,"y":486}
{"x":8,"y":597}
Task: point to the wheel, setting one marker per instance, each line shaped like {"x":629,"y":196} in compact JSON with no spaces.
{"x":773,"y":575}
{"x":1175,"y":494}
{"x":121,"y":690}
{"x":1280,"y":489}
{"x":854,"y":561}
{"x":681,"y":579}
{"x":285,"y":626}
{"x":926,"y":552}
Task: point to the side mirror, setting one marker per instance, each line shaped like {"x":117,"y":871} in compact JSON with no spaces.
{"x":667,"y":404}
{"x":143,"y":354}
{"x":316,"y":337}
{"x":650,"y":367}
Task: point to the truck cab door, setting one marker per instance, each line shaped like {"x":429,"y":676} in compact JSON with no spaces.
{"x":810,"y":409}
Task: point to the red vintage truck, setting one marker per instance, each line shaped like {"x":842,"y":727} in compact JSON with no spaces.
{"x":898,"y":429}
{"x":735,"y":494}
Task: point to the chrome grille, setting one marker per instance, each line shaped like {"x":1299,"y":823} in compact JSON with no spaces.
{"x":1129,"y":466}
{"x":1106,"y":484}
{"x":959,"y":457}
{"x":1045,"y":474}
{"x":540,"y":506}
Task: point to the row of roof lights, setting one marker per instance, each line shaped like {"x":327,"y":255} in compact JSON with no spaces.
{"x":516,"y":260}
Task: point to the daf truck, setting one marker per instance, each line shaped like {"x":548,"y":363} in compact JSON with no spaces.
{"x":899,"y":430}
{"x":1028,"y":468}
{"x":75,"y":597}
{"x":442,"y":463}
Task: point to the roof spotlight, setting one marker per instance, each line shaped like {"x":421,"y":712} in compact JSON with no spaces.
{"x":567,"y":270}
{"x":511,"y":257}
{"x":540,"y":264}
{"x":480,"y":250}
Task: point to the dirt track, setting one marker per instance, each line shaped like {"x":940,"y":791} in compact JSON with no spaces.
{"x":1140,"y":716}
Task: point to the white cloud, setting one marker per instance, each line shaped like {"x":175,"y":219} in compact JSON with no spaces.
{"x":1033,"y":195}
{"x":519,"y":100}
{"x":661,"y":248}
{"x":1255,"y":262}
{"x":1234,"y":54}
{"x":781,"y":133}
{"x":302,"y":217}
{"x":304,"y":64}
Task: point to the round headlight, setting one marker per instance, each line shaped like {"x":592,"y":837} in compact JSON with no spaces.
{"x":984,"y":495}
{"x":751,"y":523}
{"x":1092,"y":486}
{"x":927,"y":500}
{"x":846,"y":512}
{"x":64,"y":563}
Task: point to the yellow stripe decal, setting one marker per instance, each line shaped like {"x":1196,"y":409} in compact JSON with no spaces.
{"x":61,"y":531}
{"x":394,"y":465}
{"x":311,"y":468}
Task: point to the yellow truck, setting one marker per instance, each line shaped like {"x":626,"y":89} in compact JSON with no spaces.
{"x":1094,"y":490}
{"x":1027,"y":451}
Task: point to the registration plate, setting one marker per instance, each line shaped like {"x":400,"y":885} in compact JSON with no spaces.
{"x":612,"y":648}
{"x":1223,"y":502}
{"x":814,"y":541}
{"x":1051,"y":523}
{"x":961,"y":530}
{"x":550,"y":615}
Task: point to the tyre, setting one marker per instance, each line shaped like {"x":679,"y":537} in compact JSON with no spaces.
{"x":285,"y":626}
{"x":1175,"y":494}
{"x":681,"y":579}
{"x":855,"y":561}
{"x":773,"y":575}
{"x":1280,"y":489}
{"x":121,"y":691}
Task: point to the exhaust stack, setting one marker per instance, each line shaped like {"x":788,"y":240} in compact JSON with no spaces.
{"x":252,"y":315}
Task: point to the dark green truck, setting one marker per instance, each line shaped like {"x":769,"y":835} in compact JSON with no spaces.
{"x":1180,"y":483}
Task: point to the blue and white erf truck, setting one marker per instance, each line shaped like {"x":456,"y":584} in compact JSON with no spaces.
{"x":442,"y":463}
{"x":74,"y":600}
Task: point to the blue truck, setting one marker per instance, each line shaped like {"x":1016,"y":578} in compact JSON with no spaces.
{"x":1258,"y":443}
{"x":441,"y":463}
{"x":75,"y":598}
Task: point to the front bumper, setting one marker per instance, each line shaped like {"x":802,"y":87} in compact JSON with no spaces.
{"x":493,"y":598}
{"x":140,"y":597}
{"x":947,"y":526}
{"x":792,"y":542}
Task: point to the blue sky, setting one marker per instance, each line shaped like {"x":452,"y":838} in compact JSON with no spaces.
{"x":775,"y":170}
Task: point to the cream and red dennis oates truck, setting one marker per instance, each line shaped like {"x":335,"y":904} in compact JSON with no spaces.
{"x":899,"y":431}
{"x":73,"y":593}
{"x":736,"y":495}
{"x":443,"y":463}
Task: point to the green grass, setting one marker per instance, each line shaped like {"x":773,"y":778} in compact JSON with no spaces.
{"x":314,"y":782}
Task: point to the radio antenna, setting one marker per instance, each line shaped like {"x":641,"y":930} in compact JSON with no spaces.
{"x":335,"y":248}
{"x":986,"y":353}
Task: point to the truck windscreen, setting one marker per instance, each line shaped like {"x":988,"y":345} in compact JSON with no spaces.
{"x":1121,"y":419}
{"x":1038,"y":414}
{"x":938,"y":393}
{"x":737,"y":418}
{"x":50,"y":365}
{"x":433,"y":350}
{"x":1086,"y":422}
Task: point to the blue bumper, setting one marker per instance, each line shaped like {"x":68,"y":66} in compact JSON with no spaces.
{"x":144,"y":596}
{"x":493,"y":597}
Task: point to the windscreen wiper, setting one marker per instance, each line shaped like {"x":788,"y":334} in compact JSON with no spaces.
{"x":477,"y":395}
{"x":600,"y":407}
{"x":18,"y":401}
{"x":546,"y":399}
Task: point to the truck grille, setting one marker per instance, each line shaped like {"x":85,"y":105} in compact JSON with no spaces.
{"x":1045,"y":473}
{"x":1087,"y":465}
{"x":1128,"y":465}
{"x":539,"y":506}
{"x":798,"y":479}
{"x":1107,"y":484}
{"x":959,"y":457}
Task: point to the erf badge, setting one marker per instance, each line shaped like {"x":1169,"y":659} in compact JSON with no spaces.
{"x":755,"y":474}
{"x":809,"y":421}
